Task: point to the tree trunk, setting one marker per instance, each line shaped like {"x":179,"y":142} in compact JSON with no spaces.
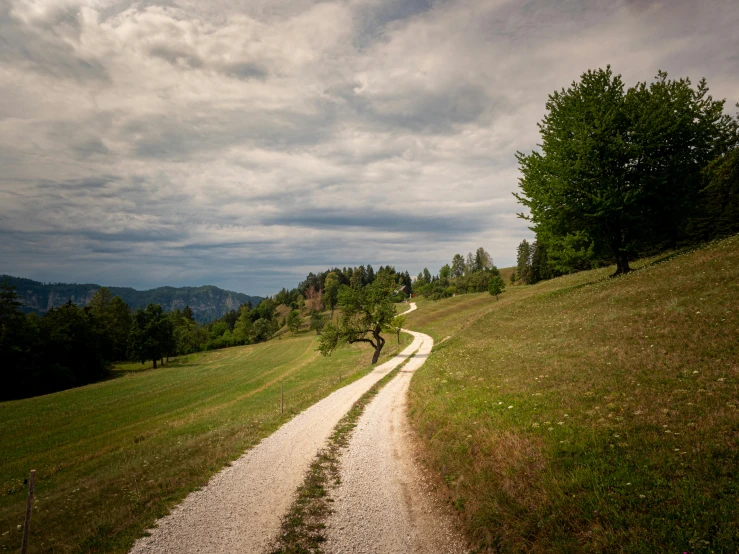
{"x":622,"y":264}
{"x":380,"y":343}
{"x":155,"y":363}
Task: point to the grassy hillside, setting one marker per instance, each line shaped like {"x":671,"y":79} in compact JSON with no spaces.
{"x":591,"y":414}
{"x":113,"y":456}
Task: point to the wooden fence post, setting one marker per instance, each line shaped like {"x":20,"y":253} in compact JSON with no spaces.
{"x":29,"y":509}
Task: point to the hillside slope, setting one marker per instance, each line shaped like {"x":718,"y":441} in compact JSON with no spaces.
{"x":114,"y":456}
{"x":588,"y":413}
{"x":207,"y":302}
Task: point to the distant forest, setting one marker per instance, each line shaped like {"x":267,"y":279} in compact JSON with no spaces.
{"x":207,"y":302}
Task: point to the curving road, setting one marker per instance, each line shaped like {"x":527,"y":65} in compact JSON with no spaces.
{"x":383,"y":504}
{"x":240,"y":509}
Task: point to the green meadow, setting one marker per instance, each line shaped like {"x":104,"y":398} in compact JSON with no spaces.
{"x":589,"y":413}
{"x":114,"y":456}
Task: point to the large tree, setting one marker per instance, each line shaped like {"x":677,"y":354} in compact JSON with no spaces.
{"x":365,"y":313}
{"x":620,"y":169}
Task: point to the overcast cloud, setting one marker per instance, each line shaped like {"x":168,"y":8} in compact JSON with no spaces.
{"x":243,"y":144}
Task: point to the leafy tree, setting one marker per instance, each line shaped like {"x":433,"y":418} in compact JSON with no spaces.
{"x":458,"y":267}
{"x":115,"y":316}
{"x":317,"y":322}
{"x":151,"y":336}
{"x":366,"y":312}
{"x":496,"y":287}
{"x":293,"y":321}
{"x":187,"y":313}
{"x":483,"y":260}
{"x":100,"y":300}
{"x":218,"y":328}
{"x":469,"y":265}
{"x":523,"y":262}
{"x":244,"y":328}
{"x":331,"y":292}
{"x":426,"y":275}
{"x":621,"y":168}
{"x":445,"y":272}
{"x":719,"y":213}
{"x":263,"y":329}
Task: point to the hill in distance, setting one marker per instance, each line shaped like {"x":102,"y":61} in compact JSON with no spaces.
{"x":207,"y":302}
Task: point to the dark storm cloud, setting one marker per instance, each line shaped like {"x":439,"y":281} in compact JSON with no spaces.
{"x":246,"y":143}
{"x":371,"y":220}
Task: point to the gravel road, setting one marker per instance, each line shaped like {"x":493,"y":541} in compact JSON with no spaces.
{"x":383,"y":504}
{"x":241,"y":507}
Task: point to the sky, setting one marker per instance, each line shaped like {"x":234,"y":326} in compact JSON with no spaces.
{"x":245,"y":143}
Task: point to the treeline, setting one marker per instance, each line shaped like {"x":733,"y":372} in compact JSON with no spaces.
{"x":321,"y":290}
{"x":627,"y":172}
{"x":70,"y":346}
{"x":476,"y":273}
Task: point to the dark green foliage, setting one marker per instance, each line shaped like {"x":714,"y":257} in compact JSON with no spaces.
{"x":317,"y":322}
{"x":619,"y":172}
{"x":67,"y":347}
{"x":115,"y":316}
{"x":293,"y":321}
{"x":719,"y":199}
{"x":18,"y":338}
{"x":151,"y":336}
{"x":458,"y":278}
{"x":496,"y":286}
{"x":533,"y":264}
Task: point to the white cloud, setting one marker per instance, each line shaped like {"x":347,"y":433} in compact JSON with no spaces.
{"x":192,"y":142}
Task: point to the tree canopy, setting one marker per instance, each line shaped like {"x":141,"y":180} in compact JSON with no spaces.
{"x":365,"y":313}
{"x":619,"y":171}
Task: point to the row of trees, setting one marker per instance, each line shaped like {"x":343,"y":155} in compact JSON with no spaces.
{"x":71,"y":346}
{"x":627,"y":172}
{"x":473,"y":274}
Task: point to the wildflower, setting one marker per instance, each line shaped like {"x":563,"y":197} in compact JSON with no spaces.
{"x":560,"y":423}
{"x":628,"y":484}
{"x":509,"y":407}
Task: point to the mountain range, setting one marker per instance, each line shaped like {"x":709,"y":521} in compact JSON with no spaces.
{"x":207,"y":302}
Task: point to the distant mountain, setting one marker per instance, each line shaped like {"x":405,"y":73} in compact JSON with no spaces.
{"x":207,"y":302}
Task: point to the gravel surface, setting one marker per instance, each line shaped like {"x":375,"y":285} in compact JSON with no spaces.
{"x":241,"y":507}
{"x":383,"y":504}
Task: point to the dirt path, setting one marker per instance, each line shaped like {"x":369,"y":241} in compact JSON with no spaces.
{"x":241,"y":507}
{"x":383,"y":504}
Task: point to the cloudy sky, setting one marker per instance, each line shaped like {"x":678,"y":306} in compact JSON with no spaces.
{"x":245,"y":143}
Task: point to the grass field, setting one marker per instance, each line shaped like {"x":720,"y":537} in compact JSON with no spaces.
{"x":588,"y":413}
{"x":114,"y":456}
